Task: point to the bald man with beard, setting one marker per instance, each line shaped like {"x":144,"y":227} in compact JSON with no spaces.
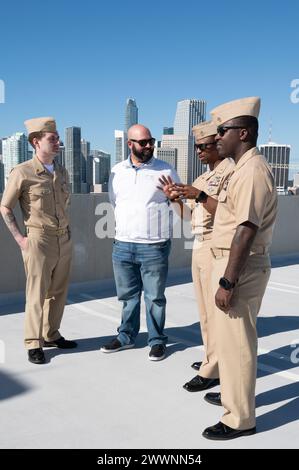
{"x":142,"y":242}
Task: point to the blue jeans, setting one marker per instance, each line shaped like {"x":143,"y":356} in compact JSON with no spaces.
{"x":137,"y":266}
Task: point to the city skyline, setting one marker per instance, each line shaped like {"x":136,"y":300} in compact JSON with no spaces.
{"x":176,"y":148}
{"x":212,"y":57}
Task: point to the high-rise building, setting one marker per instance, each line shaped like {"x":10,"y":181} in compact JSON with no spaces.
{"x":131,"y":114}
{"x":60,"y":157}
{"x":131,"y":118}
{"x":85,"y":153}
{"x":278,"y":156}
{"x":185,"y":148}
{"x":1,"y":170}
{"x":168,"y":130}
{"x":168,"y":155}
{"x":73,"y":157}
{"x":296,"y":179}
{"x":120,"y":146}
{"x":188,"y":114}
{"x":14,"y":151}
{"x":101,"y":167}
{"x":1,"y":175}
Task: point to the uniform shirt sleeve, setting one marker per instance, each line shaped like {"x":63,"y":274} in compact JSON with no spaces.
{"x":252,"y":192}
{"x":13,"y":189}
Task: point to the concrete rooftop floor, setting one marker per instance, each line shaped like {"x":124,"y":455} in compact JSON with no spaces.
{"x":86,"y":399}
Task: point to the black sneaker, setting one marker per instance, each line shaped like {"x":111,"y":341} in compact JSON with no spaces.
{"x":36,"y":356}
{"x":196,"y":365}
{"x":157,"y":352}
{"x":115,"y":345}
{"x":61,"y":343}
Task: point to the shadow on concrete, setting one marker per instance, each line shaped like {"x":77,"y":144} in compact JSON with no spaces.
{"x":267,"y":326}
{"x":101,"y":289}
{"x":12,"y":308}
{"x":282,"y":363}
{"x":179,"y":339}
{"x":10,"y":387}
{"x":286,"y":392}
{"x":282,"y":415}
{"x":285,"y":260}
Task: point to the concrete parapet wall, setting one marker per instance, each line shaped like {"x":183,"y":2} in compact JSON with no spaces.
{"x":92,"y":255}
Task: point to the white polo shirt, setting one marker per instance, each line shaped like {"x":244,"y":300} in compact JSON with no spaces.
{"x":142,"y":212}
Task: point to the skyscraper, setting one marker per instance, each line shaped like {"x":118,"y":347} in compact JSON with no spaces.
{"x":14,"y":151}
{"x":73,"y":157}
{"x":278,"y":157}
{"x":131,"y":114}
{"x":101,"y":167}
{"x":168,"y":130}
{"x":60,"y":157}
{"x":188,"y":114}
{"x":85,"y":153}
{"x":168,"y":155}
{"x":131,"y":118}
{"x":1,"y":175}
{"x":120,"y":146}
{"x":185,"y":149}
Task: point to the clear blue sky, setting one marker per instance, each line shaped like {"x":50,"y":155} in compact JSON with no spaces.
{"x":79,"y":61}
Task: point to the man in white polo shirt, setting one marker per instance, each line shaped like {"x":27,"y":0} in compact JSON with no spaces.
{"x":142,"y":242}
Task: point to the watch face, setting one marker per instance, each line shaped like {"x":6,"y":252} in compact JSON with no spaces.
{"x":225,"y":283}
{"x":202,"y":197}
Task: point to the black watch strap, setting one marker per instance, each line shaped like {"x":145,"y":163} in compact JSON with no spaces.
{"x":226,"y":284}
{"x":202,"y":197}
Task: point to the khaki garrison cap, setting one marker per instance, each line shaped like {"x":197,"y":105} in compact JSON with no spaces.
{"x":233,"y":109}
{"x":41,"y":124}
{"x":204,"y":129}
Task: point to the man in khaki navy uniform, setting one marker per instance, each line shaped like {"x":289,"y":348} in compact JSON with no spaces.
{"x":241,"y":267}
{"x":41,"y":187}
{"x":202,"y":200}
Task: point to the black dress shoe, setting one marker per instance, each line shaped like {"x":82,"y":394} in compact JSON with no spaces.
{"x":60,"y":343}
{"x":198,"y":383}
{"x":36,"y":356}
{"x":213,"y":398}
{"x":221,"y":432}
{"x":196,"y":365}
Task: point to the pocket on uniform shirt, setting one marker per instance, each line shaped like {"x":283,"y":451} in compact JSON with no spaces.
{"x":41,"y":198}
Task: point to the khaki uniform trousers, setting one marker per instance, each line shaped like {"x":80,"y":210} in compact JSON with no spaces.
{"x":236,"y":338}
{"x":202,"y":280}
{"x":47,"y":261}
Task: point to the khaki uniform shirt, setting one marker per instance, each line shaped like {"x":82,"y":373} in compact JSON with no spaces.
{"x":43,"y":197}
{"x":250,"y":196}
{"x":211,"y":182}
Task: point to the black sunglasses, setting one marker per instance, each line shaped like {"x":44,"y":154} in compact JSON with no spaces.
{"x":202,"y":147}
{"x":221,"y":130}
{"x":144,"y":142}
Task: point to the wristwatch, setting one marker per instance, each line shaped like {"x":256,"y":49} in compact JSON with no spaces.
{"x":226,"y":284}
{"x":202,"y":197}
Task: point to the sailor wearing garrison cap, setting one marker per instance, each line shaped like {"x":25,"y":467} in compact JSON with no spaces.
{"x":200,"y":209}
{"x":40,"y":185}
{"x":240,"y":245}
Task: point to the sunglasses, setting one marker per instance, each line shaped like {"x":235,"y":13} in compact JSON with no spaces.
{"x":144,"y":142}
{"x":202,"y":147}
{"x":221,"y":130}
